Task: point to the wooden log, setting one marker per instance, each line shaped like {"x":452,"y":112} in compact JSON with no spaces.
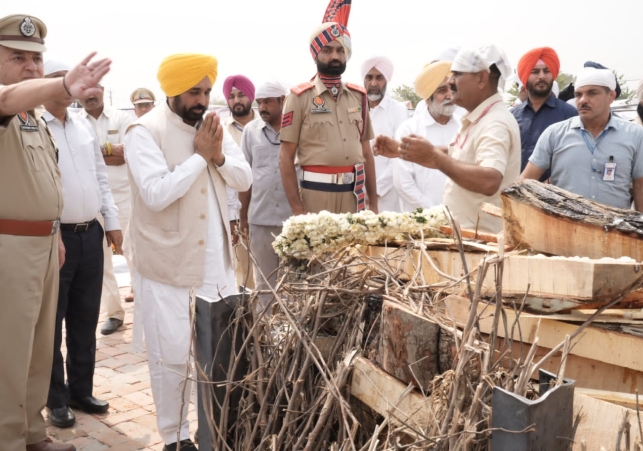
{"x":605,"y":346}
{"x":491,"y":209}
{"x":555,"y":283}
{"x":621,"y":399}
{"x":408,"y":345}
{"x":557,"y":228}
{"x":388,"y":396}
{"x":600,"y":423}
{"x":471,"y":234}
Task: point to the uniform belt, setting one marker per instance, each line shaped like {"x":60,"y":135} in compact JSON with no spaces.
{"x":28,"y":228}
{"x":342,"y":178}
{"x":78,"y":228}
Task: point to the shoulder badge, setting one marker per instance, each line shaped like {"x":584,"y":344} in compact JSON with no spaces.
{"x":302,"y":88}
{"x":355,"y":87}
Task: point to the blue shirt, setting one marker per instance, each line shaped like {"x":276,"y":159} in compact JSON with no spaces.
{"x":577,"y":160}
{"x":533,"y":123}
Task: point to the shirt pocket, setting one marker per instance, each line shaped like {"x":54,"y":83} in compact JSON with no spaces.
{"x":320,"y":126}
{"x":263,"y":157}
{"x":34,"y":151}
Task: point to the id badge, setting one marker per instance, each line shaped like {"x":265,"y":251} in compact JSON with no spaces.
{"x":609,"y":172}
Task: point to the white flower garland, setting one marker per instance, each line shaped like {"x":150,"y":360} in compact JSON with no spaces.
{"x":312,"y":234}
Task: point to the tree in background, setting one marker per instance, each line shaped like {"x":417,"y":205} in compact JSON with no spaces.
{"x":626,"y":93}
{"x":406,"y":93}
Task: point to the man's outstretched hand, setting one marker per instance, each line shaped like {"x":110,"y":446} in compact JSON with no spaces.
{"x":82,"y":80}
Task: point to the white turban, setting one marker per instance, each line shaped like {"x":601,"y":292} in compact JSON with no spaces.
{"x":448,"y":54}
{"x":590,"y":76}
{"x":272,"y":88}
{"x":55,"y":65}
{"x":639,"y":91}
{"x":381,"y":63}
{"x":477,"y":60}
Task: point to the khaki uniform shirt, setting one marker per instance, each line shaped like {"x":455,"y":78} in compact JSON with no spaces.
{"x":489,"y":137}
{"x":329,"y":133}
{"x":29,"y":176}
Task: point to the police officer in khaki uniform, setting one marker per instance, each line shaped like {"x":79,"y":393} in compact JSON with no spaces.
{"x":326,"y":130}
{"x":31,"y":251}
{"x":143,"y":100}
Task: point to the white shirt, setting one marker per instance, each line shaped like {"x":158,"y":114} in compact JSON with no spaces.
{"x":417,"y":185}
{"x":110,"y":127}
{"x":386,"y":118}
{"x":83,"y":172}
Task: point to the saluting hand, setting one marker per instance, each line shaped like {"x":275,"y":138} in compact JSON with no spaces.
{"x":82,"y":80}
{"x":386,"y":146}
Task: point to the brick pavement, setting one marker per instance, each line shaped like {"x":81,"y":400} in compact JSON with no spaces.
{"x":121,"y":377}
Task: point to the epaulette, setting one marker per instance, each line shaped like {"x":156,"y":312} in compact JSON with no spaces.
{"x":302,"y":88}
{"x":356,"y":87}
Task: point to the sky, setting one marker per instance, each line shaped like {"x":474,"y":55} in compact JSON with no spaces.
{"x":269,"y":39}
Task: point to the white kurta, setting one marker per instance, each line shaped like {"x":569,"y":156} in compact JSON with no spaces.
{"x":386,"y":118}
{"x":161,"y":311}
{"x":417,"y":185}
{"x":146,"y":164}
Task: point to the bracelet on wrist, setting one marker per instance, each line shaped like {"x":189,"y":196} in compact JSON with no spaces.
{"x":65,"y":86}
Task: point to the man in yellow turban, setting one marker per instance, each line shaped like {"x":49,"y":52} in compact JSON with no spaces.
{"x":419,"y":186}
{"x":180,"y":164}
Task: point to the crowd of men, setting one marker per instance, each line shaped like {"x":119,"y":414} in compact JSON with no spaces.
{"x":183,"y":194}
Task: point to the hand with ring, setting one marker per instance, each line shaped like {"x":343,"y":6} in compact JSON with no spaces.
{"x":418,"y":150}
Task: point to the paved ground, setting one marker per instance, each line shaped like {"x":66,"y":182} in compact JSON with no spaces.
{"x":122,"y":378}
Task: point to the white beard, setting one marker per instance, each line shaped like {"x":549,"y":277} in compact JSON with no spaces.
{"x":374,"y":97}
{"x":446,"y":108}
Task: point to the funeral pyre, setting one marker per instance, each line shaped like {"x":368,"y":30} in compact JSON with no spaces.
{"x":312,"y":356}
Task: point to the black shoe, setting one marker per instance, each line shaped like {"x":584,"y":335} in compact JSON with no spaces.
{"x":62,"y":417}
{"x":186,"y":445}
{"x":89,"y":404}
{"x":111,"y":325}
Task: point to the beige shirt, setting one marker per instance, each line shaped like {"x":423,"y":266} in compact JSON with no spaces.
{"x":489,"y":137}
{"x":235,"y":128}
{"x":329,"y":132}
{"x":29,"y":175}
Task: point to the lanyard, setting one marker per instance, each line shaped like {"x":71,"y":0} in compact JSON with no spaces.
{"x":484,"y":113}
{"x":596,"y":141}
{"x":278,"y":143}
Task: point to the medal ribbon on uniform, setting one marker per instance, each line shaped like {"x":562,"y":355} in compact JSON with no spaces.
{"x":359,"y":187}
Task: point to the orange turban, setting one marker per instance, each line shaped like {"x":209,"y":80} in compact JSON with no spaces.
{"x":530,"y":59}
{"x":178,"y":73}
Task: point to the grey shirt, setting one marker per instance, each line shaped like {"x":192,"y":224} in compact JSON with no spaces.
{"x":577,"y":160}
{"x":268,"y":205}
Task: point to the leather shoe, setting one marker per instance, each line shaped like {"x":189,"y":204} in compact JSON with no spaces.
{"x":110,"y":326}
{"x":49,"y":445}
{"x":89,"y":404}
{"x":186,"y":445}
{"x":62,"y":417}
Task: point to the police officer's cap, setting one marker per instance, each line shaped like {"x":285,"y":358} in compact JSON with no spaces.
{"x":23,"y":32}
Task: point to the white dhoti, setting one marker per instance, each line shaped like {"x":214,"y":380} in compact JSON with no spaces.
{"x":162,"y":320}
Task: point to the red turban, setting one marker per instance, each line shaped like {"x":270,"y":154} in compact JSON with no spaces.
{"x":529,"y":60}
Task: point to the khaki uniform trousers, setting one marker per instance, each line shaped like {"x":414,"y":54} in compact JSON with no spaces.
{"x":315,"y":201}
{"x":110,"y":300}
{"x":29,"y":280}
